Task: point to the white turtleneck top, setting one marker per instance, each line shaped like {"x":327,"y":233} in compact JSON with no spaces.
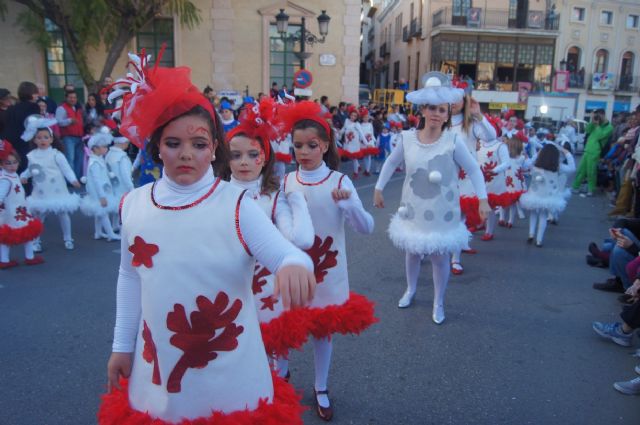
{"x":265,"y":242}
{"x":355,"y":214}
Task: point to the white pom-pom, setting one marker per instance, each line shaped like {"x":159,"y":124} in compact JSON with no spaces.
{"x":83,"y":179}
{"x":433,"y":82}
{"x":35,"y":171}
{"x":105,"y":130}
{"x":402,"y":211}
{"x":112,"y":175}
{"x":539,"y":178}
{"x":435,"y":177}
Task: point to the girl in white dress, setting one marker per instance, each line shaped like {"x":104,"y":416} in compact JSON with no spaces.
{"x":49,"y":172}
{"x":120,"y":168}
{"x":352,"y":140}
{"x":428,"y":220}
{"x":251,"y":164}
{"x":368,"y":141}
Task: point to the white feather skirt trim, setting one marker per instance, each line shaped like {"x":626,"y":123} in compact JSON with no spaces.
{"x":62,"y":203}
{"x":408,"y":237}
{"x":555,"y":204}
{"x":91,"y":207}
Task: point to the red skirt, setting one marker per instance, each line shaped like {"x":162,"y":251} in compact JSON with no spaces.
{"x":505,"y":199}
{"x":350,"y":155}
{"x":285,"y":409}
{"x":288,"y":331}
{"x":20,"y":235}
{"x":469,"y":206}
{"x":371,"y":150}
{"x":352,"y":317}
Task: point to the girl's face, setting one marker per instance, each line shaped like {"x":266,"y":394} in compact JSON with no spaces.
{"x":100,"y":150}
{"x":186,"y":149}
{"x":365,"y":118}
{"x":91,"y":101}
{"x":456,"y":108}
{"x":10,"y":165}
{"x":309,"y":148}
{"x":43,"y":139}
{"x":227,"y":114}
{"x":43,"y":108}
{"x":247,"y":158}
{"x":435,"y":115}
{"x":353,"y":116}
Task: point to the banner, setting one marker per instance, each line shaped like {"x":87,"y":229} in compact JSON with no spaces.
{"x":602,"y":81}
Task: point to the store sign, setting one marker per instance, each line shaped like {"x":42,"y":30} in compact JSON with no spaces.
{"x":602,"y":81}
{"x":506,"y":106}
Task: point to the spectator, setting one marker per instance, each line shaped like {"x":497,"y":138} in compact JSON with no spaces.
{"x":324,"y":104}
{"x":378,"y":124}
{"x":17,"y":114}
{"x":599,"y":130}
{"x":209,"y":93}
{"x":626,"y":235}
{"x":341,"y":115}
{"x":42,"y":105}
{"x":69,"y":117}
{"x":274,"y":90}
{"x":396,"y":115}
{"x":42,"y":93}
{"x":93,"y":109}
{"x":5,"y":102}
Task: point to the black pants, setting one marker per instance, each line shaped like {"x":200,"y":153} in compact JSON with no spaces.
{"x":631,"y":315}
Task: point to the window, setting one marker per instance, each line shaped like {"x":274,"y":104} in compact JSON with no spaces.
{"x":578,"y":14}
{"x":606,"y":17}
{"x":449,"y":50}
{"x":487,"y":52}
{"x":398,"y":33}
{"x":459,"y":12}
{"x":417,"y":70}
{"x":153,"y":35}
{"x":600,"y":62}
{"x":468,"y":52}
{"x":61,"y":68}
{"x":632,"y":21}
{"x":283,"y":60}
{"x":507,"y":54}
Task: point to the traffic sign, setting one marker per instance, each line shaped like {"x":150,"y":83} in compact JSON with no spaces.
{"x":302,"y":79}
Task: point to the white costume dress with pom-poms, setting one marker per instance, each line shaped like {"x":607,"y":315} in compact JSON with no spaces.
{"x":281,"y":330}
{"x":428,"y":220}
{"x":544,"y":192}
{"x":17,"y":225}
{"x":48,"y":169}
{"x":334,"y":309}
{"x":119,"y":166}
{"x":98,"y":186}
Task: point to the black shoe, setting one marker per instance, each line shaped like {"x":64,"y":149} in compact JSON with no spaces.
{"x":611,"y":285}
{"x":595,"y":262}
{"x":625,"y":299}
{"x":529,"y":241}
{"x":593,"y":249}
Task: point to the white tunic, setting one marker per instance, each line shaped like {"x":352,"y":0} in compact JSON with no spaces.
{"x":98,"y":186}
{"x":544,"y":192}
{"x":368,"y":140}
{"x":352,"y":137}
{"x":493,"y":158}
{"x":17,"y":225}
{"x":120,"y":167}
{"x":48,"y":169}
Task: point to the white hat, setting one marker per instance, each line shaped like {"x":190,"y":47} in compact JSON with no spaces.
{"x":102,"y":137}
{"x":436,"y":90}
{"x":33,"y":123}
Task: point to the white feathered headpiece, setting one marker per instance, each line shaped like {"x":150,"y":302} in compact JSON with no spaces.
{"x":33,"y":123}
{"x":102,"y":137}
{"x":436,"y":90}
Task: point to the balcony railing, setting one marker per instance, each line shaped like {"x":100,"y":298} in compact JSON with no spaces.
{"x":416,"y":28}
{"x":629,"y":83}
{"x":495,"y":18}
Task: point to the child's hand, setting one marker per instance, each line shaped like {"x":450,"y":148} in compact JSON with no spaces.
{"x":484,"y":209}
{"x":378,"y":199}
{"x":103,"y":202}
{"x":340,"y":194}
{"x":295,"y":285}
{"x":119,"y":365}
{"x":76,"y":184}
{"x":23,"y":181}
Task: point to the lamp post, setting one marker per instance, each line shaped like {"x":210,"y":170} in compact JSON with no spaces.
{"x":303,"y":36}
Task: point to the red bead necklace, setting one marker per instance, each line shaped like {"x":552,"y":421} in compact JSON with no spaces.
{"x":184,"y":207}
{"x":313,"y":184}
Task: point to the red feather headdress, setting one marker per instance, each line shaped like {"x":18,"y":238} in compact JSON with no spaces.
{"x":522,"y":137}
{"x":495,"y":122}
{"x":289,"y":115}
{"x":151,"y":97}
{"x":257,"y":122}
{"x":6,"y":149}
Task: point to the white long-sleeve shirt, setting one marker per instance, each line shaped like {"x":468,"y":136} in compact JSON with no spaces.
{"x":355,"y":214}
{"x":265,"y":242}
{"x":481,"y":130}
{"x":461,"y":156}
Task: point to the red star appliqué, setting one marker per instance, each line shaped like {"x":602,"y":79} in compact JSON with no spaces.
{"x":489,"y":154}
{"x":17,"y":189}
{"x":509,"y":181}
{"x":268,"y":303}
{"x":461,"y":174}
{"x":22,"y":214}
{"x":142,"y":253}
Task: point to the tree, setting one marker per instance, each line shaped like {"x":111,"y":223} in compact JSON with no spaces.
{"x":86,"y":24}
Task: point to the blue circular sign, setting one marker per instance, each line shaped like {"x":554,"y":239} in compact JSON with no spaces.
{"x":302,"y":79}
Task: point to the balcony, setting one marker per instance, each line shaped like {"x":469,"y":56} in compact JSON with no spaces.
{"x":628,"y":83}
{"x":494,"y":19}
{"x":405,"y":34}
{"x":383,"y":51}
{"x":415,"y":29}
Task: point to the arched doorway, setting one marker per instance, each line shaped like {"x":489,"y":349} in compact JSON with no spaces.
{"x":576,"y":74}
{"x":600,"y":62}
{"x":626,"y":71}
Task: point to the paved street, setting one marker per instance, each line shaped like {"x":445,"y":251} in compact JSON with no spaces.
{"x":517,"y":346}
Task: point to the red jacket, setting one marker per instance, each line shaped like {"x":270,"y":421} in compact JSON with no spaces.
{"x":77,"y":128}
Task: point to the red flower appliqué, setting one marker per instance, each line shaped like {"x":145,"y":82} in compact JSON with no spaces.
{"x":487,"y":170}
{"x":461,"y":174}
{"x":490,"y":154}
{"x":368,"y":137}
{"x":17,"y":189}
{"x":268,"y":303}
{"x":22,"y":214}
{"x":509,"y":181}
{"x":211,"y":330}
{"x":142,"y":252}
{"x":520,"y":175}
{"x":323,"y":258}
{"x":259,"y":274}
{"x":350,"y":136}
{"x":149,"y":354}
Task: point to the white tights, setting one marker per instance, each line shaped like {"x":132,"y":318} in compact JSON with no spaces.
{"x":492,"y":219}
{"x":356,"y":165}
{"x":4,"y":252}
{"x":103,"y":226}
{"x":537,"y":219}
{"x":440,"y":266}
{"x":65,"y":224}
{"x":456,"y":255}
{"x":322,"y":358}
{"x":367,"y":163}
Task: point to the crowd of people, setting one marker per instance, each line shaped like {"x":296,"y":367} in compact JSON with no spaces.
{"x":222,"y":174}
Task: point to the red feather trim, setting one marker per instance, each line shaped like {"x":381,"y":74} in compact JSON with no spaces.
{"x":288,"y":331}
{"x":285,"y":409}
{"x":20,"y":235}
{"x":256,"y":123}
{"x":6,"y":148}
{"x":283,"y":157}
{"x":354,"y":316}
{"x":469,"y":206}
{"x":372,"y":150}
{"x":505,"y":199}
{"x":350,"y":155}
{"x":290,"y":114}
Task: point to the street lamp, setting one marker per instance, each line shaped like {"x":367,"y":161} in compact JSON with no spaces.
{"x":303,"y":36}
{"x":563,"y":65}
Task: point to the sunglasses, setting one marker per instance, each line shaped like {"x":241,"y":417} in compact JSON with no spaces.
{"x":440,"y":109}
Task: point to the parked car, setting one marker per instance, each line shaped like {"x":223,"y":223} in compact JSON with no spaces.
{"x":364,"y":95}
